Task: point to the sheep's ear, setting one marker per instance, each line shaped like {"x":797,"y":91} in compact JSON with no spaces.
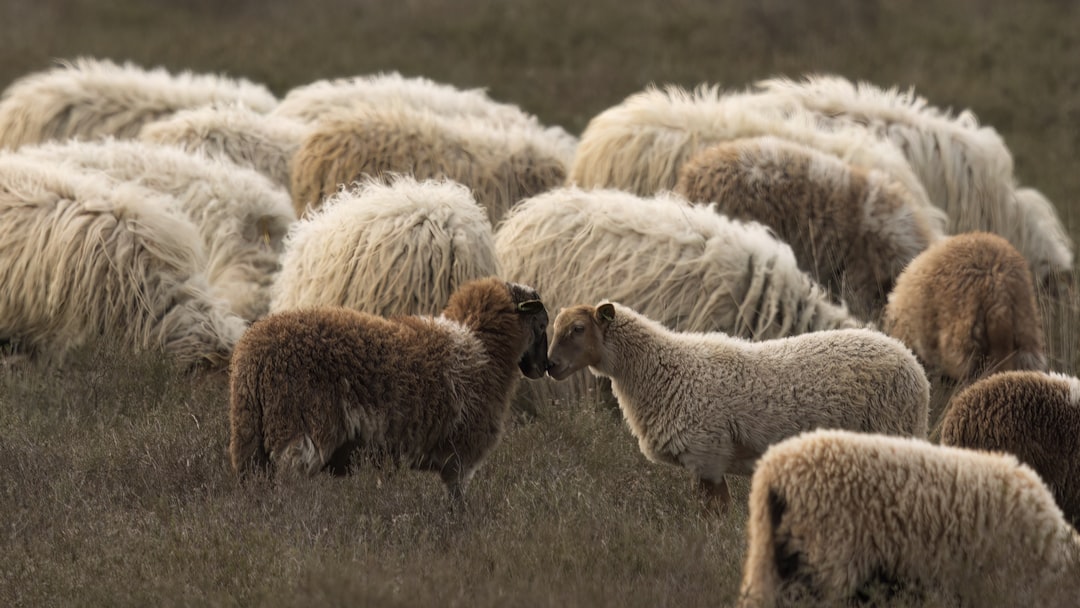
{"x":531,"y":307}
{"x":606,"y":312}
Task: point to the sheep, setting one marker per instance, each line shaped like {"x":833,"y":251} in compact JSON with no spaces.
{"x":713,"y":403}
{"x":1033,"y":415}
{"x":837,"y":516}
{"x":310,"y":388}
{"x":640,"y":144}
{"x":966,"y":307}
{"x":234,"y":132}
{"x":1055,"y":278}
{"x":966,"y":168}
{"x":312,"y":102}
{"x":682,"y":264}
{"x":241,"y":216}
{"x":92,"y":98}
{"x":500,"y":166}
{"x":853,"y":229}
{"x":83,"y":257}
{"x":401,"y":248}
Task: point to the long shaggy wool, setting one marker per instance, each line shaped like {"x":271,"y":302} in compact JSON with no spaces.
{"x":640,"y":144}
{"x":313,"y":102}
{"x":839,"y":517}
{"x":854,"y":230}
{"x":401,"y":248}
{"x":684,"y":265}
{"x":966,"y":307}
{"x":713,"y":404}
{"x":1032,"y":415}
{"x":500,"y":166}
{"x":234,"y":132}
{"x":966,"y":168}
{"x":241,"y":216}
{"x":93,"y":98}
{"x":83,"y":257}
{"x":311,"y":388}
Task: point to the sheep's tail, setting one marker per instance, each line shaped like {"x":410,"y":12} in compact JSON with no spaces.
{"x":245,"y":418}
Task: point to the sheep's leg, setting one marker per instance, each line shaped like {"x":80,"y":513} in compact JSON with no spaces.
{"x":714,"y":494}
{"x":456,"y":478}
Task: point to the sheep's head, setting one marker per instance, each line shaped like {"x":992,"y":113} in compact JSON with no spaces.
{"x":534,"y":317}
{"x":578,"y":338}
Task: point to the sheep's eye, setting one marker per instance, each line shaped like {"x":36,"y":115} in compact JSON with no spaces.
{"x":579,"y":329}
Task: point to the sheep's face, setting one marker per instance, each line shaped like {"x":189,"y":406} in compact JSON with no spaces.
{"x":579,"y":337}
{"x":534,"y":361}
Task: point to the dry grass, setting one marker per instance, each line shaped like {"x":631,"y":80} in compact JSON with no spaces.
{"x":114,"y":484}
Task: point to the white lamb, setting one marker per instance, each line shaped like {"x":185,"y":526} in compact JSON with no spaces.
{"x":387,"y":249}
{"x":241,"y":216}
{"x":83,"y":257}
{"x":713,"y":403}
{"x":93,"y":98}
{"x":838,"y":517}
{"x":640,"y":144}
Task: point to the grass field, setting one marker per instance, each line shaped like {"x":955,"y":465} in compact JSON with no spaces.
{"x":114,"y":483}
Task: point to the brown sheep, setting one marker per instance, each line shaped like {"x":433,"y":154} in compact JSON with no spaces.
{"x":309,"y":388}
{"x":853,"y":229}
{"x":1032,"y":415}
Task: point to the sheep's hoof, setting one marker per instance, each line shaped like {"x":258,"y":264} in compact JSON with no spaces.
{"x":715,"y":496}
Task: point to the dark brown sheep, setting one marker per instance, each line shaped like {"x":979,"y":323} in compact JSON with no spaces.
{"x":1032,"y":415}
{"x":309,"y":388}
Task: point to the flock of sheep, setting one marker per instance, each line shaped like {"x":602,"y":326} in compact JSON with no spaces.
{"x":771,"y":282}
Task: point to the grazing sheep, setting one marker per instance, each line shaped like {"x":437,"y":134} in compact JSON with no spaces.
{"x":83,"y":257}
{"x":241,"y":216}
{"x":309,"y":388}
{"x":640,"y":144}
{"x":853,"y":229}
{"x":966,"y":169}
{"x":966,"y":307}
{"x":713,"y":404}
{"x":93,"y":98}
{"x":500,"y":166}
{"x":1033,"y":415}
{"x":837,"y":517}
{"x":401,"y":248}
{"x":233,"y":132}
{"x":312,"y":102}
{"x":1055,"y":277}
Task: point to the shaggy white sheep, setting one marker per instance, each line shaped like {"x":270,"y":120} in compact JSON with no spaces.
{"x":83,"y":257}
{"x":854,"y":230}
{"x":500,"y":166}
{"x":241,"y":216}
{"x":1035,"y":416}
{"x":837,"y":517}
{"x":92,"y":98}
{"x":235,"y":132}
{"x":309,"y":388}
{"x":713,"y":403}
{"x":312,"y":102}
{"x":640,"y":144}
{"x":966,"y":168}
{"x":401,"y":248}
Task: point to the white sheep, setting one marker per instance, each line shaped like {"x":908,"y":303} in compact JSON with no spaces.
{"x":852,"y":229}
{"x":966,"y":168}
{"x":640,"y":144}
{"x":234,"y":132}
{"x":713,"y":403}
{"x":312,"y":102}
{"x":92,"y":98}
{"x":242,"y":217}
{"x":401,"y":248}
{"x":311,"y":388}
{"x":83,"y":257}
{"x":1035,"y":416}
{"x":838,"y":517}
{"x":500,"y":166}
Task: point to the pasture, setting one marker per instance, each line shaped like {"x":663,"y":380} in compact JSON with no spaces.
{"x":115,"y":487}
